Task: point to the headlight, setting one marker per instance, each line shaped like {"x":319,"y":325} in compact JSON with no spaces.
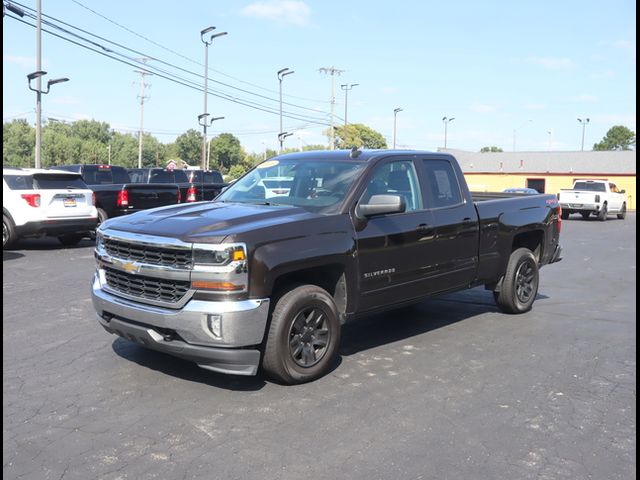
{"x":99,"y":242}
{"x":219,"y":255}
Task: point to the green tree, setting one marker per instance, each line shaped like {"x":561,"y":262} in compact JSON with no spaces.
{"x":226,"y":151}
{"x":618,"y":137}
{"x":490,"y":149}
{"x":18,"y":142}
{"x":188,"y":146}
{"x":358,"y":135}
{"x":91,"y":130}
{"x":124,"y":150}
{"x":236,"y":171}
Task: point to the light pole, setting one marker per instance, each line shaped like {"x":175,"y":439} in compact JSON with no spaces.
{"x":281,"y":74}
{"x":346,"y":87}
{"x":446,"y":121}
{"x":515,"y":131}
{"x":395,"y":115}
{"x":38,"y":75}
{"x":206,"y":85}
{"x":584,"y":124}
{"x":281,"y":137}
{"x":204,"y":121}
{"x":550,"y":135}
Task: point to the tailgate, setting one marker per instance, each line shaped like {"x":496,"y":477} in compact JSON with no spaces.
{"x":578,"y":198}
{"x":63,"y":196}
{"x":151,"y":195}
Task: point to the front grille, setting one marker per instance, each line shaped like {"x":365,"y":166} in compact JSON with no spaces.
{"x":150,"y":288}
{"x":168,"y":257}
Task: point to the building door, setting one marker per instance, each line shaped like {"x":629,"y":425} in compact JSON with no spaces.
{"x":536,"y":183}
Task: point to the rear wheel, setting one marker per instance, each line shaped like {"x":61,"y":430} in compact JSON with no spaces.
{"x":9,"y":236}
{"x":602,"y":216}
{"x":304,"y":336}
{"x":565,"y":214}
{"x":70,"y":239}
{"x":520,"y":283}
{"x":585,"y":215}
{"x":623,"y":212}
{"x":102,"y":216}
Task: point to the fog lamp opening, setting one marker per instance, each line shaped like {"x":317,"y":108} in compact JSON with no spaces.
{"x":214,"y":322}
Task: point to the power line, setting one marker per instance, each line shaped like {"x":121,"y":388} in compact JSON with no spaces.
{"x":181,"y":81}
{"x":149,"y":56}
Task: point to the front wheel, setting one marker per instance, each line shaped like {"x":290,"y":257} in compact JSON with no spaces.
{"x":585,"y":215}
{"x":565,"y":214}
{"x":520,"y":283}
{"x":71,"y":239}
{"x":623,"y":212}
{"x":304,"y":336}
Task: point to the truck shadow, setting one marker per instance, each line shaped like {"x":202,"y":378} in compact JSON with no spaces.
{"x":362,"y":334}
{"x":394,"y":325}
{"x":184,"y":369}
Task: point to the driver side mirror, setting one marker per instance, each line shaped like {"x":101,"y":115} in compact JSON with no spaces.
{"x":381,"y":205}
{"x":623,"y":191}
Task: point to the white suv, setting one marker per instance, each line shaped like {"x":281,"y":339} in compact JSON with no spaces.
{"x":46,"y":202}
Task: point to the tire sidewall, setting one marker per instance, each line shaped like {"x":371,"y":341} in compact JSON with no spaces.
{"x":507,"y":299}
{"x":287,"y":309}
{"x":11,"y":233}
{"x":525,"y":257}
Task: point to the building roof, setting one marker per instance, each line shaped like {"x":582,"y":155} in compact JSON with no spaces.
{"x":591,"y":162}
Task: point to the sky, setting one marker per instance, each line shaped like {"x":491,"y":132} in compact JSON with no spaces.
{"x":512,"y":74}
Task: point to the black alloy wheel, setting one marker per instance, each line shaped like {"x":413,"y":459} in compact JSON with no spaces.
{"x":308,"y":337}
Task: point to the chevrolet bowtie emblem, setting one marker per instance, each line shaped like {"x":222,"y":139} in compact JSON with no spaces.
{"x":131,"y":267}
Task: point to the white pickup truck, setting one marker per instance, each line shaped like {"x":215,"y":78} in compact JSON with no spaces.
{"x":599,"y":197}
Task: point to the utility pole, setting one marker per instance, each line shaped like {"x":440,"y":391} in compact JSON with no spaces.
{"x":346,"y":87}
{"x":142,"y":98}
{"x":281,"y":74}
{"x":333,"y":71}
{"x":38,"y":84}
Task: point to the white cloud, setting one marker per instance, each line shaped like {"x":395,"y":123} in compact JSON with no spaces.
{"x":551,"y":63}
{"x":584,"y":98}
{"x":22,"y":61}
{"x":483,"y":108}
{"x":286,"y":11}
{"x":389,"y":90}
{"x":535,"y":106}
{"x":604,"y":75}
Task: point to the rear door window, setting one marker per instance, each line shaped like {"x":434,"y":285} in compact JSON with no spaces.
{"x":168,"y":176}
{"x":443,"y":189}
{"x":19,"y":182}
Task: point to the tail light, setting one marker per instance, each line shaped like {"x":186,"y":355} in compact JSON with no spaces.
{"x":123,"y":198}
{"x":33,"y":199}
{"x":559,"y":218}
{"x":179,"y":196}
{"x":192,"y":194}
{"x":93,"y":198}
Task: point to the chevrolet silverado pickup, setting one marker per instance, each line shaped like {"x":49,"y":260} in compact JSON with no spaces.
{"x":597,"y":197}
{"x":250,"y":281}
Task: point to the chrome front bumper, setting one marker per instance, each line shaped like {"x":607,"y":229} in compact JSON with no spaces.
{"x":243,"y":324}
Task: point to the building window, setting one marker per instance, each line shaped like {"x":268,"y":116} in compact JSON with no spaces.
{"x":536,"y":183}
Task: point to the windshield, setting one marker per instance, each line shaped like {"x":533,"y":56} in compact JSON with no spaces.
{"x":315,"y":185}
{"x":589,"y":186}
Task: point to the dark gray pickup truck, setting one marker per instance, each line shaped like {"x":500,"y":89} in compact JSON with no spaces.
{"x":265,"y":279}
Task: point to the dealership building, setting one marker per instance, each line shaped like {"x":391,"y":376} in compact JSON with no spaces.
{"x":547,"y":172}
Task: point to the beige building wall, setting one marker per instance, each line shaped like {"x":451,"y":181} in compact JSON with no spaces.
{"x":497,"y":182}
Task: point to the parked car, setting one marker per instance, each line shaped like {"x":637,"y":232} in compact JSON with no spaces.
{"x":117,"y":195}
{"x":525,"y":190}
{"x":195,"y":185}
{"x":276,"y":186}
{"x":241,"y":283}
{"x":597,"y":197}
{"x":46,"y":202}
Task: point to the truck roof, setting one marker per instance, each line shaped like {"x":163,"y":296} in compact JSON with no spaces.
{"x":362,"y":155}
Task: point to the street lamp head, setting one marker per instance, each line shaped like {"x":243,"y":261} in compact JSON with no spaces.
{"x":216,"y":118}
{"x":202,"y":115}
{"x":218,"y":35}
{"x":452,"y":119}
{"x":396,"y":110}
{"x":282,"y":71}
{"x":206,"y":30}
{"x":37,"y":74}
{"x":57,"y":80}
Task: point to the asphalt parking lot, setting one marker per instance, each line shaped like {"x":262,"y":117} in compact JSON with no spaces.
{"x":448,"y":389}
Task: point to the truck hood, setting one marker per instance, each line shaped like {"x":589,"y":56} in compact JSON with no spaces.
{"x":206,"y":222}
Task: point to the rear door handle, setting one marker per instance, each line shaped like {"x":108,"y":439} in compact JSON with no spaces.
{"x":423,"y":227}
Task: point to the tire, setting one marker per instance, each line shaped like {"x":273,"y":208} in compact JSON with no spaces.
{"x":564,"y":215}
{"x":623,"y":212}
{"x":102,"y":216}
{"x":602,"y":216}
{"x":304,"y":336}
{"x":71,"y":239}
{"x":585,"y":215}
{"x":9,"y":236}
{"x":520,"y":283}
